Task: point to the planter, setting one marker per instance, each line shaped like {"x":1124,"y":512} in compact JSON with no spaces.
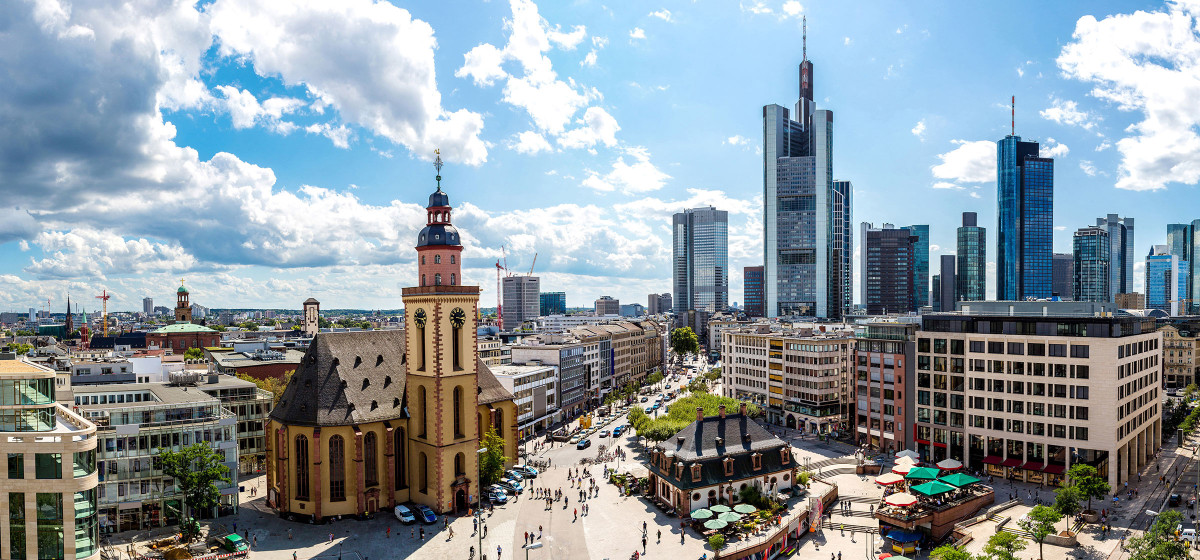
{"x":1091,"y":516}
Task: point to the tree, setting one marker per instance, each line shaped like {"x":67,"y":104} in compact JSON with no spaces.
{"x":193,"y":354}
{"x":273,"y":385}
{"x":491,"y":462}
{"x":684,"y":341}
{"x":196,"y":470}
{"x":1190,"y":391}
{"x":716,"y":542}
{"x":1090,"y":484}
{"x":19,"y":349}
{"x":1158,"y":542}
{"x":1040,"y":524}
{"x":1003,"y":546}
{"x":949,"y":552}
{"x":1066,"y":501}
{"x":654,"y":378}
{"x":249,"y":326}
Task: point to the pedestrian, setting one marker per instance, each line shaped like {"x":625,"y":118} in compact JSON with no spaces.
{"x":526,"y":537}
{"x":289,"y":533}
{"x":659,"y":535}
{"x":474,"y":525}
{"x":389,"y":532}
{"x":422,"y":533}
{"x":294,"y":555}
{"x":247,"y":534}
{"x":451,"y":533}
{"x":539,"y":532}
{"x":331,"y":535}
{"x":681,"y":535}
{"x":235,"y":526}
{"x":576,"y":512}
{"x":255,"y":542}
{"x":839,"y":555}
{"x":498,"y":551}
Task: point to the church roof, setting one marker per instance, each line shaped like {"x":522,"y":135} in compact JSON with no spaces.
{"x":490,"y":389}
{"x":183,"y":328}
{"x":736,"y":433}
{"x":182,"y":290}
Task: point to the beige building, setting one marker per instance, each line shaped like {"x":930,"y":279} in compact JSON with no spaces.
{"x":1131,"y":300}
{"x":1179,"y":356}
{"x":49,"y":489}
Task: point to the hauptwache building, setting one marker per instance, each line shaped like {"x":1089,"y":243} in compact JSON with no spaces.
{"x":378,"y":418}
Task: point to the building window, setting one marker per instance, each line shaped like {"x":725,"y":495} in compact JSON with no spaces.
{"x":422,"y":276}
{"x":458,"y":405}
{"x":16,"y":466}
{"x":398,"y":441}
{"x":422,"y":403}
{"x":453,"y":278}
{"x":48,"y":465}
{"x":422,"y":260}
{"x":337,"y":469}
{"x":424,"y":474}
{"x":50,"y":525}
{"x":371,"y":465}
{"x":460,"y":465}
{"x":437,"y":259}
{"x":437,"y":279}
{"x":451,"y":259}
{"x":16,"y":525}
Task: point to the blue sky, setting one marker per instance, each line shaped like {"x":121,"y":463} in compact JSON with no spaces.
{"x":268,"y":152}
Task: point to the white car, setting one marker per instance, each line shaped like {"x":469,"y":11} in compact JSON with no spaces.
{"x":405,"y":515}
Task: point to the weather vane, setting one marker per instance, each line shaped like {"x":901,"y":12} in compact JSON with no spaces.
{"x":437,"y":164}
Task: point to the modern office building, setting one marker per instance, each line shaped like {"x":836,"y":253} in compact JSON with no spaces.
{"x":1023,"y":390}
{"x":807,"y":218}
{"x":49,"y":492}
{"x":522,"y":300}
{"x":1131,"y":300}
{"x":535,"y":392}
{"x":251,"y":406}
{"x":920,"y":292}
{"x":971,"y":273}
{"x":755,"y":292}
{"x":1025,"y":220}
{"x":632,"y":310}
{"x":658,"y":303}
{"x":1063,"y":277}
{"x":1090,"y":276}
{"x":888,"y":260}
{"x":148,"y":306}
{"x":608,"y":305}
{"x":700,"y":260}
{"x":1122,"y":253}
{"x":1183,"y":242}
{"x":552,"y":303}
{"x":1166,"y":281}
{"x":948,"y":279}
{"x":884,"y":355}
{"x":936,"y":292}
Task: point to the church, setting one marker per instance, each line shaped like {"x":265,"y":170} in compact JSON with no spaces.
{"x":377,"y":418}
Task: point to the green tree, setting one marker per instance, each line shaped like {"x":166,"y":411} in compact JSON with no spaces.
{"x":273,"y":385}
{"x":193,"y":354}
{"x":1190,"y":391}
{"x":248,"y":325}
{"x":1067,"y":502}
{"x":1158,"y":543}
{"x":716,"y":542}
{"x":1040,"y":524}
{"x":654,"y":378}
{"x":1090,"y":484}
{"x":949,"y":552}
{"x":491,"y":464}
{"x":196,"y":470}
{"x":1003,"y":546}
{"x":684,"y":341}
{"x":20,"y":349}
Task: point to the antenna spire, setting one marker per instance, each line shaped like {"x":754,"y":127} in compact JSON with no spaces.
{"x":804,"y":37}
{"x":1014,"y":115}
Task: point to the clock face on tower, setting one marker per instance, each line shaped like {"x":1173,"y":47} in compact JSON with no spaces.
{"x":420,"y":318}
{"x":457,"y":317}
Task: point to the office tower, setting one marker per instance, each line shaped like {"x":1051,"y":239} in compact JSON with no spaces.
{"x":1182,"y":242}
{"x":658,"y":303}
{"x":521,"y":300}
{"x":971,"y":275}
{"x":754,"y":291}
{"x":552,"y":303}
{"x":935,"y":300}
{"x":1090,"y":278}
{"x":148,"y":306}
{"x":607,"y":305}
{"x":1131,"y":300}
{"x":1025,"y":219}
{"x":889,"y":256}
{"x":700,"y":260}
{"x":807,"y":218}
{"x":1121,"y":254}
{"x":949,"y":280}
{"x":1063,"y":277}
{"x":920,"y":265}
{"x":1166,"y":280}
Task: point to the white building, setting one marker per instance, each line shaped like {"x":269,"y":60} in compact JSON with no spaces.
{"x":536,"y":390}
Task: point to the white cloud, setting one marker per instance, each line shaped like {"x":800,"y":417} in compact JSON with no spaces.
{"x":970,"y":162}
{"x":1087,"y":168}
{"x":1020,"y":72}
{"x":1065,"y":111}
{"x":1053,"y":149}
{"x":339,"y":135}
{"x":663,"y":14}
{"x":1060,"y":228}
{"x":598,"y":127}
{"x":1104,"y":145}
{"x":530,"y":142}
{"x":846,"y":41}
{"x":96,"y":254}
{"x":919,"y":130}
{"x":483,"y":65}
{"x":637,"y":33}
{"x":636,"y":177}
{"x":792,"y":9}
{"x":1146,"y":62}
{"x":902,"y":29}
{"x":947,"y":186}
{"x":568,"y":41}
{"x":975,"y":194}
{"x":737,"y":140}
{"x":757,"y":7}
{"x":589,"y":59}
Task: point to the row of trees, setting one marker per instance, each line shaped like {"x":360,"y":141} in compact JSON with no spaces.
{"x":682,"y":413}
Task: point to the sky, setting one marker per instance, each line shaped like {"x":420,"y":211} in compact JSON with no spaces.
{"x":265,"y":152}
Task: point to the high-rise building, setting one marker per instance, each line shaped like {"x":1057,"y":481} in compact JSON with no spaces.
{"x":552,"y":303}
{"x":936,"y":293}
{"x":1184,"y":244}
{"x":1121,"y":254}
{"x":608,"y":305}
{"x":920,"y":265}
{"x":807,"y":221}
{"x":889,"y":256}
{"x":971,"y":274}
{"x":885,"y":403}
{"x":658,"y":303}
{"x":1025,"y":220}
{"x":522,"y":301}
{"x":1063,"y":277}
{"x":755,"y":292}
{"x":700,"y":260}
{"x":1090,"y":278}
{"x":948,"y":280}
{"x":1131,"y":300}
{"x":1166,"y":280}
{"x":148,"y":306}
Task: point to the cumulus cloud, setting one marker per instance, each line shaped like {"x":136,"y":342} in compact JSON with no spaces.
{"x":792,"y":9}
{"x":636,"y":177}
{"x":757,"y":7}
{"x":637,"y":33}
{"x":846,"y":41}
{"x":597,"y":126}
{"x":919,"y":130}
{"x":663,"y":14}
{"x":970,"y":162}
{"x":1145,"y":62}
{"x":1053,"y":149}
{"x":1065,"y":111}
{"x":96,"y":254}
{"x":1088,"y":168}
{"x":737,"y":140}
{"x":530,"y":142}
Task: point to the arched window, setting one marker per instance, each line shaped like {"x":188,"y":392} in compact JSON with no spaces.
{"x":421,"y":404}
{"x":458,"y":405}
{"x":460,"y":465}
{"x":437,"y":259}
{"x":370,"y":460}
{"x":398,"y":442}
{"x":424,"y":486}
{"x":437,"y":279}
{"x":301,"y":468}
{"x":455,"y":347}
{"x":422,"y":276}
{"x":451,"y":259}
{"x":337,"y":469}
{"x":422,"y":259}
{"x":498,"y":424}
{"x":453,"y":280}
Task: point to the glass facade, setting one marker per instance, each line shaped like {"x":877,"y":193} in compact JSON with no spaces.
{"x":1025,"y":220}
{"x":971,"y":274}
{"x":889,"y":257}
{"x":754,"y":291}
{"x":1182,"y":243}
{"x":1091,"y":271}
{"x":553,"y":303}
{"x":1167,"y":280}
{"x":1120,"y":254}
{"x":920,"y":265}
{"x":700,"y":260}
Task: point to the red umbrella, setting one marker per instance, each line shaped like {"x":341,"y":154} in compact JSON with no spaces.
{"x":885,"y":555}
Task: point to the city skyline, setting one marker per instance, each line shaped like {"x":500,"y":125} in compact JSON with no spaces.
{"x":264,"y":180}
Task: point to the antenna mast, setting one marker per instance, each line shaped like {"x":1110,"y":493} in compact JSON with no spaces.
{"x":1014,"y":115}
{"x":804,"y":37}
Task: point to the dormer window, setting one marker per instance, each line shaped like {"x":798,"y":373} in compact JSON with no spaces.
{"x":756,"y":459}
{"x":679,"y":471}
{"x":785,"y":454}
{"x":695,"y":472}
{"x":728,"y":463}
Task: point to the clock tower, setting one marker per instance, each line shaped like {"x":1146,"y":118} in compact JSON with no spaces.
{"x":312,"y":314}
{"x":442,"y":377}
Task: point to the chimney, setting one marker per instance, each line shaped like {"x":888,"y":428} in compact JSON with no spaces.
{"x":699,"y":413}
{"x":742,"y":409}
{"x":722,"y":411}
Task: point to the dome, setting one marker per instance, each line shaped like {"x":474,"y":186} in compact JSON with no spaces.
{"x":439,"y":198}
{"x":181,"y":290}
{"x":437,"y":234}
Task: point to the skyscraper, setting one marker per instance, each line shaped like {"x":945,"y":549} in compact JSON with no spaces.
{"x":1091,"y":277}
{"x":807,"y":221}
{"x":921,"y":266}
{"x":1167,"y":279}
{"x":754,"y":291}
{"x":148,"y":306}
{"x":659,"y":303}
{"x":1121,"y":254}
{"x":1182,"y":242}
{"x":1025,"y":220}
{"x":552,"y":303}
{"x":521,"y":301}
{"x":949,"y":279}
{"x":889,"y":257}
{"x":700,"y":260}
{"x":971,"y":276}
{"x":1063,"y":276}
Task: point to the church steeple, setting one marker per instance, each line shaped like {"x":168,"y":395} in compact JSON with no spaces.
{"x":70,"y":322}
{"x":439,"y":252}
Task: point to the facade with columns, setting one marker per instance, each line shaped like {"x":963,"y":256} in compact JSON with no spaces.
{"x":372,"y":419}
{"x":1025,"y":396}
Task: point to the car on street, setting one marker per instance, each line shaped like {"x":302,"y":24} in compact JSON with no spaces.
{"x":618,"y":430}
{"x":405,"y":515}
{"x":515,"y":474}
{"x":584,"y":444}
{"x":1174,"y":500}
{"x":427,"y":514}
{"x":528,"y":470}
{"x":507,"y":487}
{"x":496,"y":494}
{"x":644,"y":399}
{"x":603,"y":433}
{"x":514,"y":483}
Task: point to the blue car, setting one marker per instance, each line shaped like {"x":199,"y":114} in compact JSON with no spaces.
{"x":516,"y":484}
{"x":427,"y":514}
{"x":584,"y":444}
{"x":496,"y":495}
{"x":529,"y":471}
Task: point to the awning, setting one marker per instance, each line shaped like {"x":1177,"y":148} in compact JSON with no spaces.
{"x":1032,"y":466}
{"x":903,"y":536}
{"x":1011,"y":462}
{"x":1054,"y":469}
{"x":993,"y":459}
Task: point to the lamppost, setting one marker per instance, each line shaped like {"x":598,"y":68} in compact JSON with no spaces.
{"x":479,"y":496}
{"x":531,"y":547}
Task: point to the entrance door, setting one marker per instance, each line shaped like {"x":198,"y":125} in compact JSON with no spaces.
{"x":460,"y":500}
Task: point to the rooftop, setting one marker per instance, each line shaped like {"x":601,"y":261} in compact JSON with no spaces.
{"x":518,"y":370}
{"x":715,"y":436}
{"x":248,"y":359}
{"x":22,"y":368}
{"x":163,"y":394}
{"x":183,"y":328}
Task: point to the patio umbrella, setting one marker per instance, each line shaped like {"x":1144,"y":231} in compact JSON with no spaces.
{"x":702,"y":514}
{"x":959,"y":479}
{"x":745,"y":508}
{"x":908,"y":453}
{"x":885,"y":555}
{"x":730,"y":517}
{"x":923,"y":473}
{"x":715,"y":524}
{"x":888,"y":479}
{"x":902,"y":468}
{"x":902,"y":499}
{"x":932,"y":488}
{"x":949,"y":465}
{"x":720,"y":508}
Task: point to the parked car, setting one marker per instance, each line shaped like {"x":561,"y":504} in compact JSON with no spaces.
{"x":427,"y":514}
{"x":528,"y":470}
{"x":644,"y":399}
{"x":405,"y":515}
{"x":516,"y":484}
{"x":584,"y":444}
{"x":496,"y":494}
{"x":603,"y":433}
{"x":514,"y":473}
{"x":1174,"y":500}
{"x":618,"y":430}
{"x":509,"y":488}
{"x":234,"y":542}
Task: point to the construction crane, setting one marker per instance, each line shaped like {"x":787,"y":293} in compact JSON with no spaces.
{"x":532,"y":263}
{"x":104,"y":297}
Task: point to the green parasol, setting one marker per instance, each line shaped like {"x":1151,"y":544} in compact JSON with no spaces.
{"x":730,"y":517}
{"x":745,"y":508}
{"x":932,"y":488}
{"x":720,"y":508}
{"x":922,"y":473}
{"x":702,"y":514}
{"x":958,"y":479}
{"x":715,"y":524}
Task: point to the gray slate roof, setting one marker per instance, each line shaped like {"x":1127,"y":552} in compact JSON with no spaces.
{"x":699,"y":439}
{"x":490,"y":389}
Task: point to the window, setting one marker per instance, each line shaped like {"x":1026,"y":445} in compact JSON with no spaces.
{"x":458,"y":405}
{"x":756,"y":459}
{"x":49,"y":526}
{"x":16,"y":466}
{"x":922,"y":345}
{"x":995,"y":347}
{"x":370,"y":460}
{"x":451,"y":261}
{"x":1080,"y":351}
{"x":399,"y":440}
{"x":437,"y":259}
{"x":453,"y":279}
{"x":1016,"y":348}
{"x":301,"y":467}
{"x":437,"y":279}
{"x":424,"y":473}
{"x":460,"y":465}
{"x":337,"y":469}
{"x":84,"y":463}
{"x":422,"y":276}
{"x":48,"y":465}
{"x":939,"y":345}
{"x":1058,"y":350}
{"x":956,"y":346}
{"x":976,"y":346}
{"x":422,"y":406}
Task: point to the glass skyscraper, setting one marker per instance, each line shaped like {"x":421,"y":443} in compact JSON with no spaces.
{"x":920,"y":265}
{"x":807,"y":221}
{"x":1025,"y":220}
{"x":888,"y":260}
{"x":1121,"y":254}
{"x":700,"y":260}
{"x":553,"y":303}
{"x":755,"y":292}
{"x":1183,"y":243}
{"x":1167,"y":279}
{"x":971,"y":276}
{"x":1090,"y":247}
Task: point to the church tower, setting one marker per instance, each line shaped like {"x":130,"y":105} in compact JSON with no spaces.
{"x":183,"y":309}
{"x":312,"y":317}
{"x":443,"y":387}
{"x":69,"y":324}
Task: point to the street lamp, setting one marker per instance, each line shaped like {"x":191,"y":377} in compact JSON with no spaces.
{"x":479,"y":496}
{"x":531,"y":547}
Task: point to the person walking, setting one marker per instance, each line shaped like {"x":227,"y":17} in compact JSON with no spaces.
{"x":294,"y":555}
{"x":451,"y":532}
{"x":539,"y":532}
{"x":422,"y":533}
{"x":498,"y":551}
{"x":659,"y":536}
{"x":389,"y":532}
{"x":526,"y":537}
{"x":643,"y":544}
